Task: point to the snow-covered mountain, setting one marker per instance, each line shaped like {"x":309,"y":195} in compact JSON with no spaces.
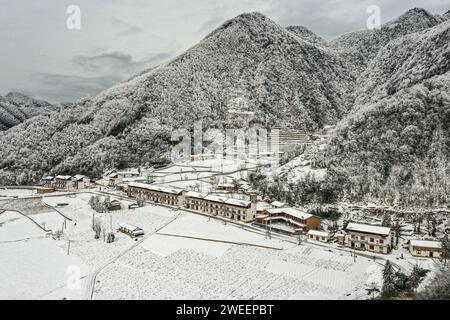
{"x":395,"y":144}
{"x":282,"y":78}
{"x":307,"y":35}
{"x":16,"y":108}
{"x":384,"y":89}
{"x":446,"y":15}
{"x":362,"y":46}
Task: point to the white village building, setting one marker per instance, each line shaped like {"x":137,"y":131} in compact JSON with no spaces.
{"x":371,"y":238}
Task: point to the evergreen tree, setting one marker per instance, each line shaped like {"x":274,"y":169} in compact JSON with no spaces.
{"x":386,"y":220}
{"x":416,"y":276}
{"x":445,"y":255}
{"x":389,"y":289}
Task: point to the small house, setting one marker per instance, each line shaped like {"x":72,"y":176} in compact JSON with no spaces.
{"x":81,"y":181}
{"x":340,"y":237}
{"x":131,"y":230}
{"x":133,"y":205}
{"x":115,"y":205}
{"x":425,"y":248}
{"x":318,"y":235}
{"x":278,"y":204}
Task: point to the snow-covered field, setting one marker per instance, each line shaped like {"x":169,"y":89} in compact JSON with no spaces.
{"x":202,"y":174}
{"x":187,"y":267}
{"x":33,"y":265}
{"x":8,"y":193}
{"x":183,"y":255}
{"x":176,"y":268}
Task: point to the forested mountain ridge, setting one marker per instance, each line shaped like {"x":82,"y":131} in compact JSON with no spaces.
{"x":386,"y":89}
{"x":281,"y":77}
{"x":395,"y":145}
{"x":307,"y":35}
{"x":16,"y":108}
{"x":362,"y":46}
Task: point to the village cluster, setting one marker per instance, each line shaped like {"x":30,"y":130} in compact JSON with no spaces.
{"x":237,"y":203}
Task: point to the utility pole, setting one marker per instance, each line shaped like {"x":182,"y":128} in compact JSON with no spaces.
{"x":68,"y":246}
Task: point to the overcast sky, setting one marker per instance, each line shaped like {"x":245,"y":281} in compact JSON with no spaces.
{"x":41,"y":57}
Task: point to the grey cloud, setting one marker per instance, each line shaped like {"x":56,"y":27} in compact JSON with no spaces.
{"x":109,"y":69}
{"x":105,"y":62}
{"x":67,"y":88}
{"x":118,"y":62}
{"x":122,"y":38}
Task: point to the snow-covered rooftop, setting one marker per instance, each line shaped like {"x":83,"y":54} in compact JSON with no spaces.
{"x":63,"y":177}
{"x":367,"y":228}
{"x":128,"y":172}
{"x":235,"y":202}
{"x":318,"y":233}
{"x":290,"y":211}
{"x":261,"y":205}
{"x":238,"y":202}
{"x":155,"y":187}
{"x":129,"y":227}
{"x":277,"y":204}
{"x":220,"y":199}
{"x":198,"y":195}
{"x":79,"y":177}
{"x":425,"y":243}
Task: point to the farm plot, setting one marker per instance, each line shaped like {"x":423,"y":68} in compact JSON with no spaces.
{"x":166,"y":267}
{"x":32,"y":265}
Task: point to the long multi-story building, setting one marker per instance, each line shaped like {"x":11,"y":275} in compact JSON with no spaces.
{"x":371,"y":238}
{"x":234,"y":209}
{"x":156,"y":194}
{"x":231,"y":208}
{"x":63,"y":183}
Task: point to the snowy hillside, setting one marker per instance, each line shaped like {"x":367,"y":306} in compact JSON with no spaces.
{"x":283,"y":79}
{"x":15,"y":108}
{"x":363,"y":46}
{"x":384,"y":89}
{"x":307,"y":35}
{"x":395,"y":146}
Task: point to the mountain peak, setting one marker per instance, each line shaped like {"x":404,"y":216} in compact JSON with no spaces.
{"x":246,"y":18}
{"x":416,"y":15}
{"x":254,"y":22}
{"x":306,"y":34}
{"x":251,"y":16}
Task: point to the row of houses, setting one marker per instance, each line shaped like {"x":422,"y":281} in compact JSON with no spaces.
{"x":216,"y":205}
{"x":278,"y":217}
{"x":376,"y":239}
{"x":62,"y":182}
